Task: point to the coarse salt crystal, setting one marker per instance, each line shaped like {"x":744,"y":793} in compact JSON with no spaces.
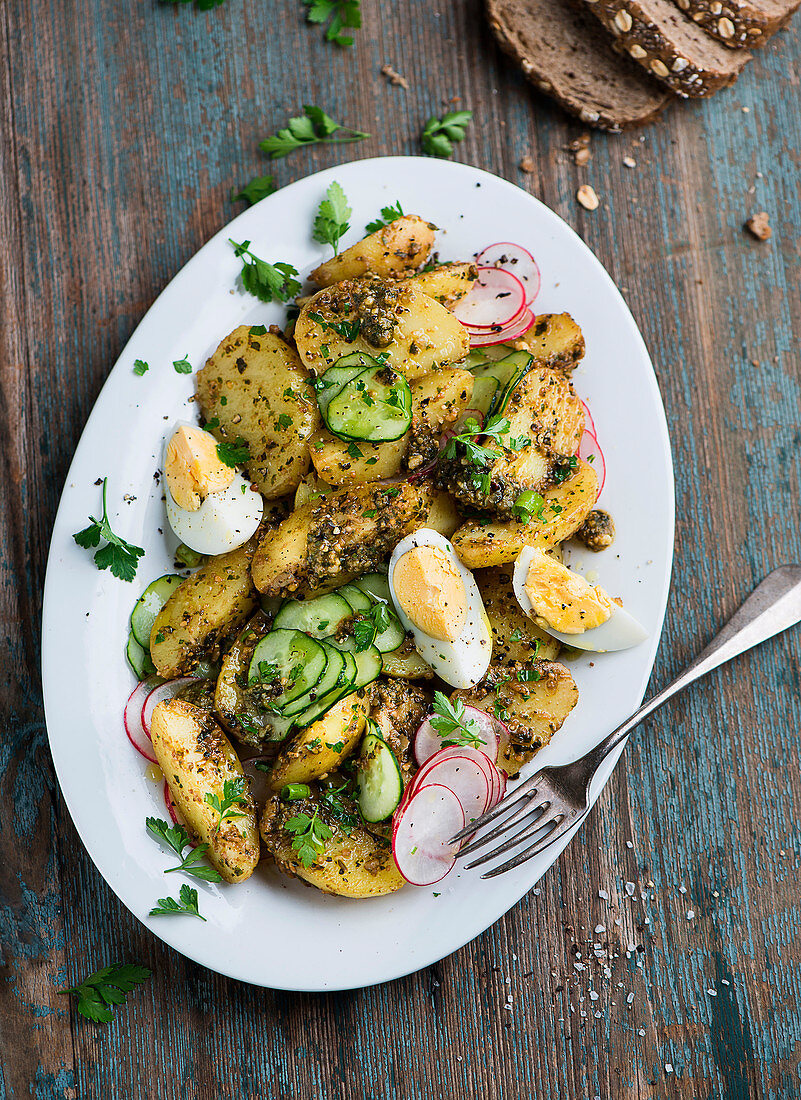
{"x":632,"y":165}
{"x":630,"y":998}
{"x":599,"y":928}
{"x":630,"y":889}
{"x":690,"y":914}
{"x":603,"y":894}
{"x":712,"y":992}
{"x":593,"y":995}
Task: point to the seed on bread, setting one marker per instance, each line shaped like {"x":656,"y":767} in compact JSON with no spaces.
{"x":739,"y":23}
{"x":759,"y":227}
{"x":587,"y":197}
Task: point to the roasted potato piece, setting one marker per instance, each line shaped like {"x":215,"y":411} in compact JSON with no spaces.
{"x":197,"y":759}
{"x":400,"y":246}
{"x":415,"y":333}
{"x":255,"y":387}
{"x":555,"y":339}
{"x":322,"y":746}
{"x":398,"y":710}
{"x":515,"y":637}
{"x":349,"y":531}
{"x":237,"y":712}
{"x":353,"y":864}
{"x":337,"y":462}
{"x":546,"y":422}
{"x":481,"y":546}
{"x":443,"y":516}
{"x":210,"y":604}
{"x":446,"y":283}
{"x":533,"y":709}
{"x":406,"y":663}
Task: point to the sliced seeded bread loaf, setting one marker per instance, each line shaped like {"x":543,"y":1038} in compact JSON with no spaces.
{"x":668,"y":44}
{"x":738,"y":23}
{"x":560,"y":50}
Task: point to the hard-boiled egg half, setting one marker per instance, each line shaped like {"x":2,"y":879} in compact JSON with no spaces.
{"x":569,"y":608}
{"x":210,"y":506}
{"x":437,"y":598}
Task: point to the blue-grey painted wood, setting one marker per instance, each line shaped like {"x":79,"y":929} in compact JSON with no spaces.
{"x":124,"y":128}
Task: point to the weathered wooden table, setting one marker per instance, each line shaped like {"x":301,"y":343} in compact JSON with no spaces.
{"x":660,"y":956}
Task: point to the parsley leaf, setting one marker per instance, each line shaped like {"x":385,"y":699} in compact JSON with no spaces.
{"x":439,"y":134}
{"x":98,"y":993}
{"x":343,"y":15}
{"x":476,"y":454}
{"x":389,"y":214}
{"x":452,"y":724}
{"x":370,"y":623}
{"x":140,"y":367}
{"x":348,"y":330}
{"x":267,"y":282}
{"x":256,"y":189}
{"x":177,"y":838}
{"x":233,"y":796}
{"x":169,"y":906}
{"x":121,"y":557}
{"x":182,"y":366}
{"x":313,"y":127}
{"x":565,"y":468}
{"x":310,"y":836}
{"x":331,"y":223}
{"x":233,"y":454}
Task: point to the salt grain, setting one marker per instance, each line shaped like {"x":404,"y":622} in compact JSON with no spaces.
{"x":630,"y":889}
{"x":603,"y":894}
{"x":690,"y":914}
{"x":599,"y":928}
{"x":668,"y":1067}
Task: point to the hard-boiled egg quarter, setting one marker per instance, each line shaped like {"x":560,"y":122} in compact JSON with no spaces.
{"x":437,"y":599}
{"x":569,"y":608}
{"x":210,"y":505}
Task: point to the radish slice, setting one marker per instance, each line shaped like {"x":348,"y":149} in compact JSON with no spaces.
{"x":259,"y":784}
{"x":589,"y":423}
{"x":590,"y":451}
{"x":427,"y":741}
{"x":160,"y":694}
{"x":496,"y":299}
{"x":500,"y":789}
{"x":518,"y":261}
{"x":504,"y":334}
{"x":421,"y":838}
{"x":456,"y":753}
{"x":172,"y":809}
{"x":132,"y":718}
{"x":468,"y":781}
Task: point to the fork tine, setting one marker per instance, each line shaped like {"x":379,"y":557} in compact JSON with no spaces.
{"x":520,"y":837}
{"x":525,"y":792}
{"x":480,"y":841}
{"x":551,"y":837}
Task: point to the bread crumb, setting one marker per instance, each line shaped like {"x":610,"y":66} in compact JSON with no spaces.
{"x":587,"y":197}
{"x":527,"y":165}
{"x":580,"y":148}
{"x":630,"y":162}
{"x":394,"y":77}
{"x":757,"y":225}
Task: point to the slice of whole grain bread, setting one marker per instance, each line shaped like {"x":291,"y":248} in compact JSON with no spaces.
{"x":658,"y":35}
{"x":739,"y":23}
{"x":560,"y":50}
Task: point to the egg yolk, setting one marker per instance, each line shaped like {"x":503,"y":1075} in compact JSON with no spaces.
{"x":430,"y":589}
{"x":193,"y":468}
{"x":564,"y":600}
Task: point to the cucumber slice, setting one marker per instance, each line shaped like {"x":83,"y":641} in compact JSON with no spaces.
{"x":507,"y":372}
{"x":484,"y":355}
{"x":485,"y":388}
{"x":319,"y":616}
{"x":375,"y":406}
{"x":292,"y":657}
{"x":392,"y":637}
{"x":331,"y":382}
{"x":339,"y":673}
{"x":316,"y":710}
{"x":379,"y":782}
{"x":369,"y":662}
{"x":357,"y":599}
{"x":148,"y":606}
{"x":376,"y":585}
{"x":139,"y":658}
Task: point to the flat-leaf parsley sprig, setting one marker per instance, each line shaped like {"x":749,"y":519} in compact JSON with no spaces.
{"x":121,"y":557}
{"x":439,"y":134}
{"x":313,"y":127}
{"x":177,"y":838}
{"x":267,"y":282}
{"x":187,"y":903}
{"x":100,"y":992}
{"x":389,"y":214}
{"x":310,"y":835}
{"x":344,"y":15}
{"x":331,"y":222}
{"x":452,"y":723}
{"x":255,"y":190}
{"x":233,"y":796}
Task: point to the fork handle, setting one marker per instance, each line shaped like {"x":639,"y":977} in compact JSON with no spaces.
{"x":772,"y":607}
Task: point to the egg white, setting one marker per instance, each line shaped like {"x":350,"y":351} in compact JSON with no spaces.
{"x":620,"y":631}
{"x":463,"y":662}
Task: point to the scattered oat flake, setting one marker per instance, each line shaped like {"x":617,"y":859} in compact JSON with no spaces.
{"x":394,"y":77}
{"x":587,"y":197}
{"x":527,"y":165}
{"x":630,"y":162}
{"x":757,"y":225}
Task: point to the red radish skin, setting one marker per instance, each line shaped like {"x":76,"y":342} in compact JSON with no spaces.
{"x":468,"y":781}
{"x":427,"y":741}
{"x":518,"y":261}
{"x":258,"y":779}
{"x":589,"y":423}
{"x":421,"y":835}
{"x":172,"y":809}
{"x":160,"y":694}
{"x":497,"y":298}
{"x":456,"y":752}
{"x":590,"y":451}
{"x":503,"y":335}
{"x":132,"y":718}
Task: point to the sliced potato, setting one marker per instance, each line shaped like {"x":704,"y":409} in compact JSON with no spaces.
{"x":555,"y":339}
{"x":533,"y":710}
{"x":210,"y":604}
{"x":515,"y":637}
{"x":255,"y":387}
{"x":481,"y":546}
{"x":349,"y":531}
{"x":446,"y":283}
{"x":353,"y":864}
{"x":322,"y":746}
{"x":236,"y":711}
{"x":398,"y":710}
{"x":443,"y":516}
{"x":197,"y":759}
{"x":400,"y":246}
{"x":415,"y":333}
{"x":341,"y":463}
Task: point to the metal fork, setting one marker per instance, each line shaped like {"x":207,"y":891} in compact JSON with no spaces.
{"x":550,"y":803}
